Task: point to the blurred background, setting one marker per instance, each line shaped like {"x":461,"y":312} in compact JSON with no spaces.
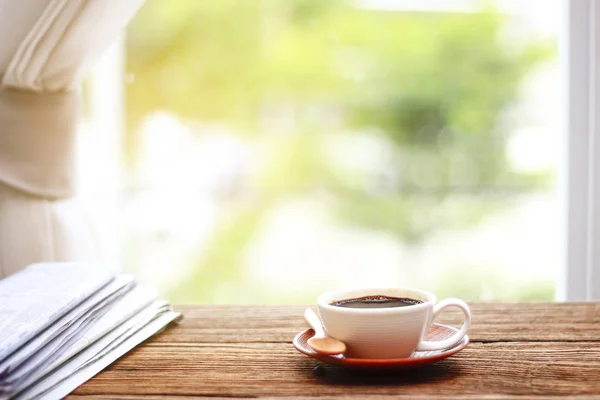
{"x":264,"y":151}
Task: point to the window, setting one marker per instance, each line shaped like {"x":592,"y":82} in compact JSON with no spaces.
{"x":273,"y":150}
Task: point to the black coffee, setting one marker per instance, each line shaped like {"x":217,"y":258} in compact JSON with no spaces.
{"x":376,"y":302}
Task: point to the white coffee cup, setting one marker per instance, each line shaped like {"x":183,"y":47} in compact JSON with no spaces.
{"x":394,"y":332}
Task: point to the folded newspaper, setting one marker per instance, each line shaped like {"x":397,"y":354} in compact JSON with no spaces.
{"x":62,"y":323}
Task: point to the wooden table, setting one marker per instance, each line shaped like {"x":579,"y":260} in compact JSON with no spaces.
{"x":525,"y":351}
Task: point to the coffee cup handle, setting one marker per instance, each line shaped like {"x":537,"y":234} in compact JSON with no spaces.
{"x":426,"y":345}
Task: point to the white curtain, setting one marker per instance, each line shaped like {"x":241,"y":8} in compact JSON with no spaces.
{"x":46,"y":47}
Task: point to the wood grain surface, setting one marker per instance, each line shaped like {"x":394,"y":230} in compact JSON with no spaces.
{"x":522,"y":351}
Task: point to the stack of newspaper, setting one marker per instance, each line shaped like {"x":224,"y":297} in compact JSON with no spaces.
{"x":62,"y":323}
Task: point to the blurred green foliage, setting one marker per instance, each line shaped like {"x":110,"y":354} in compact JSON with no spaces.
{"x":431,"y":88}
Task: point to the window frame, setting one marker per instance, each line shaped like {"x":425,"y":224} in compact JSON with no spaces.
{"x":579,"y":174}
{"x":102,"y":191}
